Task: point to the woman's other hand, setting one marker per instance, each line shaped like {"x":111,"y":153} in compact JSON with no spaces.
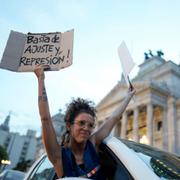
{"x":131,"y":90}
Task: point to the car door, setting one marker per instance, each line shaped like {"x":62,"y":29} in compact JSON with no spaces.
{"x":111,"y":166}
{"x":128,"y":159}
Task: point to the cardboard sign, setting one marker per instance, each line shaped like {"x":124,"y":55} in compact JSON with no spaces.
{"x":24,"y":52}
{"x":126,"y":61}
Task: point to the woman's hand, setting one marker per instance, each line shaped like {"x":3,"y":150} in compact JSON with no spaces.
{"x":39,"y":71}
{"x":131,"y":90}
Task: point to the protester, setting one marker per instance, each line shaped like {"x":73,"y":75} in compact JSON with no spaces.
{"x":77,"y":155}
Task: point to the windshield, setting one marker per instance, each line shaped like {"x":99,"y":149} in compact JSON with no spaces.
{"x":164,"y":164}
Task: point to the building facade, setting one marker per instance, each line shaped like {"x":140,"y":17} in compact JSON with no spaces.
{"x":153,"y":116}
{"x":59,"y":125}
{"x":19,"y":147}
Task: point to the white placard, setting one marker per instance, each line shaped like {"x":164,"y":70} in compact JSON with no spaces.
{"x":24,"y":52}
{"x":126,"y":60}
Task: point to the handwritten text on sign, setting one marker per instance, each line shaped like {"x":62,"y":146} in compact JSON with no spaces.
{"x":45,"y":49}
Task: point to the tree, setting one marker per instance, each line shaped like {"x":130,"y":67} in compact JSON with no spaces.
{"x":3,"y":153}
{"x":23,"y":165}
{"x":3,"y":156}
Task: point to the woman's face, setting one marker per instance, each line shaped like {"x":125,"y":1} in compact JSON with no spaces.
{"x":82,"y":127}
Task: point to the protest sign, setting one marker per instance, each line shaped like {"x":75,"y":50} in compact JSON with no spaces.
{"x":24,"y":52}
{"x":126,"y":61}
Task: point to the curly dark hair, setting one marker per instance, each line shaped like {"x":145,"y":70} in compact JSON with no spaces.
{"x":78,"y":106}
{"x":74,"y":108}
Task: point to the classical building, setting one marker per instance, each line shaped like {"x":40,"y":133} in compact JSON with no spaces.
{"x":19,"y":147}
{"x":153,"y":116}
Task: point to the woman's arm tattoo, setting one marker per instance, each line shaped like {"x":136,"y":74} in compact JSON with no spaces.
{"x":43,"y":97}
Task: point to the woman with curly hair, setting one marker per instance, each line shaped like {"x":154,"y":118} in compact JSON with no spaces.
{"x":77,"y":155}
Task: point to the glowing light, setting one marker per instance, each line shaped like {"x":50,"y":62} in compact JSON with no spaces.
{"x":144,"y":140}
{"x":6,"y":162}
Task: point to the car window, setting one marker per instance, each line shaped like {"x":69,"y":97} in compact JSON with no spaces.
{"x":43,"y":171}
{"x":15,"y":175}
{"x":163,"y":164}
{"x":111,"y":167}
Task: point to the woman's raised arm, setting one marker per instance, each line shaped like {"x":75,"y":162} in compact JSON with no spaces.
{"x":52,"y":147}
{"x":113,"y":119}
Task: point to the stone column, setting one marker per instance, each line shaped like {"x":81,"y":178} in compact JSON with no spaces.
{"x":136,"y":125}
{"x":116,"y":131}
{"x":172,"y":119}
{"x":124,"y":125}
{"x":150,"y":123}
{"x":165,"y":130}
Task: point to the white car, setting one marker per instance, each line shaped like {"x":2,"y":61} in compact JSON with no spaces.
{"x":121,"y":159}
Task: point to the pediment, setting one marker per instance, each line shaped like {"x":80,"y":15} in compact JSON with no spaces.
{"x":116,"y":94}
{"x":119,"y":92}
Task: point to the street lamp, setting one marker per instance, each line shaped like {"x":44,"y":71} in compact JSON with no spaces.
{"x":5,"y":162}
